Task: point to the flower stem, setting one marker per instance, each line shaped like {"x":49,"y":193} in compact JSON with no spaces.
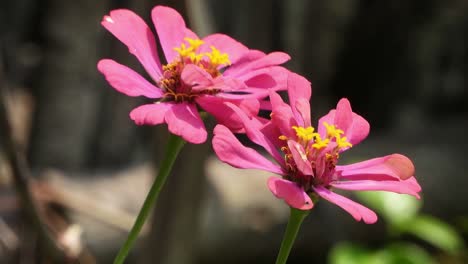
{"x":173,"y":148}
{"x":294,"y":223}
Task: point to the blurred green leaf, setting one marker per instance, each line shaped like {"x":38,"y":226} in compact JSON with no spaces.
{"x":403,"y":253}
{"x":400,"y":253}
{"x":347,"y":253}
{"x":436,"y":232}
{"x":394,"y":208}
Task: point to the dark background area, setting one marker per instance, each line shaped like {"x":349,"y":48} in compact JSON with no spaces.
{"x":402,"y":64}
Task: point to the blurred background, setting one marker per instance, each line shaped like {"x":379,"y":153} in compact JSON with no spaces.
{"x":403,"y":65}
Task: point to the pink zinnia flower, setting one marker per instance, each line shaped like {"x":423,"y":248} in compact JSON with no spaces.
{"x":307,"y":158}
{"x":204,"y":72}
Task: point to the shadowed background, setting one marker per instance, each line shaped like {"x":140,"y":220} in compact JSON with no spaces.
{"x":402,"y":64}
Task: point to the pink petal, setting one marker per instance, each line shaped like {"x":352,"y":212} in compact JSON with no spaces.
{"x":228,"y":149}
{"x":402,"y":187}
{"x":195,"y":76}
{"x":233,"y":89}
{"x":171,"y":30}
{"x":355,"y":127}
{"x":282,"y":115}
{"x":395,"y":166}
{"x":301,"y":110}
{"x":255,"y":62}
{"x":126,"y":81}
{"x":299,"y":89}
{"x":413,"y":184}
{"x":250,"y":56}
{"x":262,"y":81}
{"x":356,"y":210}
{"x":184,"y":120}
{"x":300,"y":157}
{"x":224,"y":114}
{"x":299,"y":92}
{"x":224,"y":44}
{"x":150,"y":114}
{"x":255,"y":130}
{"x":290,"y":192}
{"x":265,"y":105}
{"x":131,"y":30}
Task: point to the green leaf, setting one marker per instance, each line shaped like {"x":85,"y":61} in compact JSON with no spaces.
{"x":403,"y":253}
{"x":436,"y":232}
{"x":398,"y":253}
{"x":347,"y":253}
{"x":394,"y":208}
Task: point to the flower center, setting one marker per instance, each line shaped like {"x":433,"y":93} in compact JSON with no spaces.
{"x":322,"y":154}
{"x":211,"y":62}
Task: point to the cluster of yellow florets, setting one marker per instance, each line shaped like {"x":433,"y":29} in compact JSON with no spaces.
{"x":215,"y":57}
{"x":306,"y":135}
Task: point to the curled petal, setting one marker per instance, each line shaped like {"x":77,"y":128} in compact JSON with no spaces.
{"x":137,"y":36}
{"x":224,"y":114}
{"x":395,"y":166}
{"x":356,"y":210}
{"x":254,"y":60}
{"x":127,"y":81}
{"x":282,"y":115}
{"x":193,"y":75}
{"x":258,"y":132}
{"x":290,"y":192}
{"x":171,"y":30}
{"x":355,"y":127}
{"x":228,"y":149}
{"x":150,"y":114}
{"x":300,"y":157}
{"x":299,"y":92}
{"x":262,"y":82}
{"x":184,"y":120}
{"x":402,"y":187}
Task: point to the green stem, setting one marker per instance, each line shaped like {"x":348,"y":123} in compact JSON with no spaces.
{"x":173,"y":148}
{"x":294,"y":223}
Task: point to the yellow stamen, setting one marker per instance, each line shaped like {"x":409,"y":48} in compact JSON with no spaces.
{"x":332,"y":131}
{"x":195,"y":58}
{"x":342,"y":142}
{"x":190,"y":50}
{"x":194,"y":43}
{"x":319,"y":143}
{"x":283,"y":137}
{"x":184,"y":51}
{"x":305,"y":134}
{"x":217,"y":58}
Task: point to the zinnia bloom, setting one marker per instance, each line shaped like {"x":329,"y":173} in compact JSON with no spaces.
{"x":204,"y":72}
{"x":307,"y":158}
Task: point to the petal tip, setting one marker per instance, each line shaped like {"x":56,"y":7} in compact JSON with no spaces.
{"x":292,"y":194}
{"x":402,"y":166}
{"x":107,"y":19}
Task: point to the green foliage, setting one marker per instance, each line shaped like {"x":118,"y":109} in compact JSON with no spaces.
{"x":401,"y":213}
{"x":436,"y":232}
{"x":398,"y":253}
{"x":394,"y":208}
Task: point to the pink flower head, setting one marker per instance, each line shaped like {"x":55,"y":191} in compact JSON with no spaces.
{"x":307,"y":158}
{"x":204,"y":72}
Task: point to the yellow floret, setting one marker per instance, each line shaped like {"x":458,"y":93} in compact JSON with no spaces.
{"x":319,"y":143}
{"x":332,"y":131}
{"x":217,"y":58}
{"x":305,"y":134}
{"x":194,"y":43}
